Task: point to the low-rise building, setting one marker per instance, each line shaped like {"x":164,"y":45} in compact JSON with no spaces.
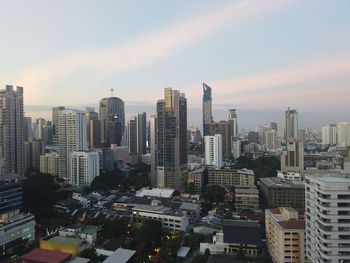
{"x":291,"y":176}
{"x":231,"y":177}
{"x":285,"y":234}
{"x":246,"y":197}
{"x":237,"y":235}
{"x":280,"y":192}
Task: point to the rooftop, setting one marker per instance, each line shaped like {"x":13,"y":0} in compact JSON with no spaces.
{"x":292,"y":224}
{"x":277,"y":182}
{"x":242,"y":232}
{"x":156,"y":192}
{"x":121,"y":255}
{"x":67,"y":240}
{"x":46,"y":256}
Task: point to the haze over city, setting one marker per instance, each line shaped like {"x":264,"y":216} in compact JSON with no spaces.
{"x":258,"y":56}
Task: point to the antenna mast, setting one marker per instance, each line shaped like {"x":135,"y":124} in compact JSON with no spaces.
{"x":112,"y":92}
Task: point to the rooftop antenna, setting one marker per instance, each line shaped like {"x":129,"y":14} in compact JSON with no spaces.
{"x":112,"y":92}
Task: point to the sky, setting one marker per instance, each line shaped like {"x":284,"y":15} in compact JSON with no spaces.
{"x":258,"y":56}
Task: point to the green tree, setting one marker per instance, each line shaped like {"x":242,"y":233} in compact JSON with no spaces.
{"x":213,"y":194}
{"x":89,"y":253}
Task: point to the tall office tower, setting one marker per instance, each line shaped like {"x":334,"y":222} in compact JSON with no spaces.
{"x":343,"y":137}
{"x":27,"y":128}
{"x":153,"y":146}
{"x":137,"y":134}
{"x":11,"y":131}
{"x":292,"y":158}
{"x":213,"y":150}
{"x":264,"y":129}
{"x":33,"y":149}
{"x":223,"y":128}
{"x":207,"y":109}
{"x":84,"y":168}
{"x":272,"y":140}
{"x":72,"y":136}
{"x":329,"y":134}
{"x":291,"y":124}
{"x":253,"y":137}
{"x":327,"y":212}
{"x":236,"y":148}
{"x":273,"y":126}
{"x":55,"y":120}
{"x":232,"y":119}
{"x":93,"y":128}
{"x":112,"y":117}
{"x":171,"y":139}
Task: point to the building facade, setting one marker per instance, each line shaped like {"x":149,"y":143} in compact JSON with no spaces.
{"x":291,"y":119}
{"x":11,"y":131}
{"x":231,"y":177}
{"x":328,"y":223}
{"x":292,"y":158}
{"x":207,"y":109}
{"x":213,"y":151}
{"x":171,"y":142}
{"x":223,"y":128}
{"x":84,"y":168}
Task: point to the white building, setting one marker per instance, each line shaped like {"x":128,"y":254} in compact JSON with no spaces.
{"x":329,"y":134}
{"x":327,"y":201}
{"x":343,"y":136}
{"x":72,"y":136}
{"x":84,"y":168}
{"x":272,"y":140}
{"x":11,"y":127}
{"x":232,"y":119}
{"x":291,"y":176}
{"x":213,"y":150}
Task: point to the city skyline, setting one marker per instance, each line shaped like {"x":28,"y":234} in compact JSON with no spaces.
{"x":256,"y":57}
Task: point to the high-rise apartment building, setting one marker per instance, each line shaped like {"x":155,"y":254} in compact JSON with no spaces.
{"x":285,"y":234}
{"x":27,"y":128}
{"x":137,"y":134}
{"x":291,"y":124}
{"x":292,"y":158}
{"x":264,"y":129}
{"x":232,"y":119}
{"x":112,"y":117}
{"x":272,"y":140}
{"x":11,"y":131}
{"x":223,"y":128}
{"x":329,"y":134}
{"x":153,"y":147}
{"x":328,"y":223}
{"x":72,"y":133}
{"x":84,"y":168}
{"x":343,"y":134}
{"x":171,"y":139}
{"x":207,"y":109}
{"x":49,"y":164}
{"x":213,"y":150}
{"x":274,"y":126}
{"x":55,"y":120}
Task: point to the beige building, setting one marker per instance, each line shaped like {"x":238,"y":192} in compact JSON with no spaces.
{"x":285,"y":234}
{"x":49,"y":164}
{"x":246,"y":197}
{"x":231,"y":177}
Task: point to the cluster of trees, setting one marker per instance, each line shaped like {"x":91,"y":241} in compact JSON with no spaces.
{"x":265,"y":166}
{"x":137,"y":178}
{"x":193,"y":240}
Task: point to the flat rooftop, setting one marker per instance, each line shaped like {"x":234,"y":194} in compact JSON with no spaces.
{"x":155,"y":192}
{"x":277,"y":182}
{"x":66,"y":240}
{"x":46,"y":256}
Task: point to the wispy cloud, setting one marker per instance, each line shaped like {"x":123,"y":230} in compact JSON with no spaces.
{"x":309,"y":85}
{"x":143,"y":50}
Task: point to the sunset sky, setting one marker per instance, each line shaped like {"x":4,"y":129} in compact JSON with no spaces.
{"x":258,"y":56}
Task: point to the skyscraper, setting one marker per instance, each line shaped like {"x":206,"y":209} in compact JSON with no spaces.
{"x":343,"y":134}
{"x":112,"y":117}
{"x":273,"y":126}
{"x":55,"y":120}
{"x":93,"y":128}
{"x":72,"y":136}
{"x":27,"y":128}
{"x":171,"y":139}
{"x":232,"y":119}
{"x":207,"y":109}
{"x":153,"y":147}
{"x":137,"y":134}
{"x":291,"y":124}
{"x":84,"y":168}
{"x":292,"y":158}
{"x":11,"y":131}
{"x":223,"y":128}
{"x":213,"y":150}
